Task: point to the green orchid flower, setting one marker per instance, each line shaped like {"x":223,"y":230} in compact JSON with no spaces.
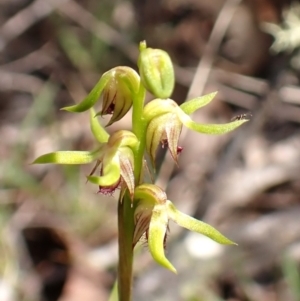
{"x":118,"y":87}
{"x":153,"y":211}
{"x":114,"y":157}
{"x":165,"y":118}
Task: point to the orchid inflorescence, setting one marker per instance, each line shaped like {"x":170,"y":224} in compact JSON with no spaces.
{"x":119,"y":158}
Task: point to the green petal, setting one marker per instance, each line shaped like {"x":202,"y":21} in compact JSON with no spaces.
{"x":93,"y":96}
{"x":154,"y":135}
{"x":195,"y":225}
{"x":98,"y":131}
{"x":211,"y":129}
{"x":130,"y":78}
{"x":173,"y":131}
{"x":111,"y":172}
{"x":157,"y":107}
{"x":150,"y":194}
{"x":123,"y":103}
{"x":126,"y":168}
{"x":107,"y":180}
{"x":142,"y":217}
{"x":67,"y":157}
{"x":156,"y":236}
{"x":192,"y":105}
{"x":123,"y":138}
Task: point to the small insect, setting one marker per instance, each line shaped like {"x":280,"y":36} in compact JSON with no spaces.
{"x":246,"y":116}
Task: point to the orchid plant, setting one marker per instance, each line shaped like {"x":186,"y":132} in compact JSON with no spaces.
{"x":143,"y":208}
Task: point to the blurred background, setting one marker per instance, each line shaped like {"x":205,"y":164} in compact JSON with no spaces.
{"x":58,"y":236}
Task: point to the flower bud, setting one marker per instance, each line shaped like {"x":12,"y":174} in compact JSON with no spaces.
{"x":156,"y":71}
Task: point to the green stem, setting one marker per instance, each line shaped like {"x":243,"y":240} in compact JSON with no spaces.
{"x":139,"y":129}
{"x":125,"y":209}
{"x":126,"y":227}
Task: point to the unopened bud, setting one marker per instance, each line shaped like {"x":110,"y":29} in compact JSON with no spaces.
{"x":156,"y":71}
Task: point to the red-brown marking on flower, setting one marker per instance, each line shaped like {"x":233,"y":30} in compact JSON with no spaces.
{"x":111,"y":106}
{"x":106,"y":190}
{"x":109,"y":190}
{"x":179,"y":150}
{"x":110,"y":110}
{"x":164,"y":143}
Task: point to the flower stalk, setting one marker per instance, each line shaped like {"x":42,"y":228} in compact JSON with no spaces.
{"x":125,"y":209}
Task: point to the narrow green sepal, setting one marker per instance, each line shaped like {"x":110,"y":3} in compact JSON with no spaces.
{"x":67,"y":157}
{"x":157,"y":235}
{"x":210,"y":129}
{"x":192,"y":105}
{"x":98,"y":131}
{"x":195,"y":225}
{"x":92,"y":97}
{"x":215,"y":129}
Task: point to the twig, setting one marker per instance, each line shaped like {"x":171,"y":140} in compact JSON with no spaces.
{"x":213,"y":44}
{"x":290,"y":94}
{"x":33,"y":61}
{"x":238,"y":98}
{"x":246,"y":83}
{"x":24,"y":19}
{"x":20,"y":82}
{"x":104,"y":32}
